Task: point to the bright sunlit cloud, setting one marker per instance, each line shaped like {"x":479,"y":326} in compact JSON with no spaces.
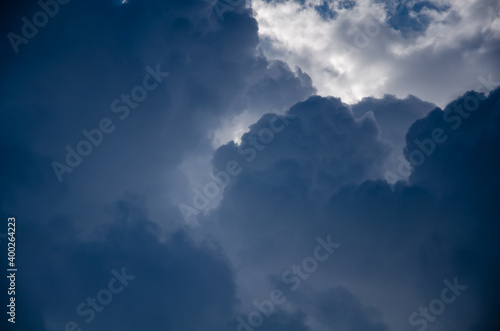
{"x":359,"y":53}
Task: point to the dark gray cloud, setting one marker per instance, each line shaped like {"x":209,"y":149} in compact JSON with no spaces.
{"x":64,"y":81}
{"x":397,"y":246}
{"x":394,"y":116}
{"x":340,"y":310}
{"x":170,"y":275}
{"x":315,"y":172}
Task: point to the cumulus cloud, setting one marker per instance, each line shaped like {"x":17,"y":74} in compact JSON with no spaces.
{"x":397,"y":245}
{"x":167,"y":276}
{"x":311,"y":166}
{"x":214,"y":75}
{"x":65,"y":81}
{"x":371,"y":48}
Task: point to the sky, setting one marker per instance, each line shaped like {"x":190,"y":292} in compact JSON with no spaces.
{"x":264,"y":165}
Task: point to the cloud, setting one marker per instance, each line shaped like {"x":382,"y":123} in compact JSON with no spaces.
{"x":170,"y":275}
{"x":394,"y":116}
{"x":340,"y":310}
{"x":321,"y":174}
{"x":65,"y":81}
{"x":372,"y":49}
{"x":397,"y":246}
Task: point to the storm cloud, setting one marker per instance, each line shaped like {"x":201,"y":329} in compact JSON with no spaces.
{"x":144,"y":105}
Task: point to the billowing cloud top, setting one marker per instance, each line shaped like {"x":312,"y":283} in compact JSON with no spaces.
{"x":273,"y":165}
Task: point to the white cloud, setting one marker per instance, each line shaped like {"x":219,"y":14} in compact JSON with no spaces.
{"x":437,"y":64}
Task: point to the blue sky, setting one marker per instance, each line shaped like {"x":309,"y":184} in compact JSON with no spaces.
{"x":266,"y":165}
